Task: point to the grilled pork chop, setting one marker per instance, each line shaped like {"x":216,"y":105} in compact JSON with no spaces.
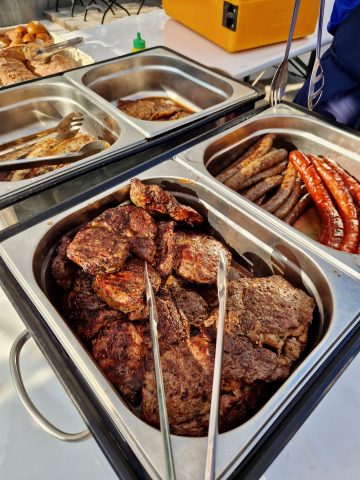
{"x":87,"y":313}
{"x":103,"y":245}
{"x":165,"y":243}
{"x":197,"y":257}
{"x":125,"y":290}
{"x":188,"y":373}
{"x":62,"y":269}
{"x":153,"y":108}
{"x":119,"y":350}
{"x":270,"y":312}
{"x":156,"y":200}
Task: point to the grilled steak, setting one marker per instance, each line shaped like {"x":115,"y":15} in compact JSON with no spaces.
{"x":157,"y":201}
{"x":197,"y":257}
{"x":270,"y":312}
{"x":119,"y":350}
{"x":98,"y":250}
{"x":61,"y":268}
{"x":165,"y":242}
{"x":103,"y":245}
{"x":188,"y":373}
{"x":125,"y":290}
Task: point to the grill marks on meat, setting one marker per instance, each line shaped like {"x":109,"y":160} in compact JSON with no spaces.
{"x":125,"y":290}
{"x":119,"y":351}
{"x":62,"y":269}
{"x":157,"y":201}
{"x":104,"y":244}
{"x":197,"y":257}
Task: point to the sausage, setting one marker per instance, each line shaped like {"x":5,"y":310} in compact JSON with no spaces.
{"x":304,"y":202}
{"x":332,"y":229}
{"x":256,"y":166}
{"x":259,"y":149}
{"x":291,"y":201}
{"x":255,"y":192}
{"x":286,"y":187}
{"x":351,"y":183}
{"x":269,"y":172}
{"x":344,"y":202}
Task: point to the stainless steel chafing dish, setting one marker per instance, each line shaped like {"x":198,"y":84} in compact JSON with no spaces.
{"x":261,"y":247}
{"x":40,"y":105}
{"x":161,"y":72}
{"x":308,"y":133}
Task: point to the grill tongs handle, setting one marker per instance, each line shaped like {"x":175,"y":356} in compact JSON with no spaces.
{"x":222,"y":285}
{"x":164,"y":422}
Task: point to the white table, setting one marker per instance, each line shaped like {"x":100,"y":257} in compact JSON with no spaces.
{"x":115,"y":38}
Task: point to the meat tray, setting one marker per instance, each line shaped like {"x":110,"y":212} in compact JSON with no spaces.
{"x":298,"y":127}
{"x":40,"y":105}
{"x":260,"y":247}
{"x":161,"y":72}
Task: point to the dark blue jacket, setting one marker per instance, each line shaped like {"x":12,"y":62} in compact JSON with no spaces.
{"x":341,"y":63}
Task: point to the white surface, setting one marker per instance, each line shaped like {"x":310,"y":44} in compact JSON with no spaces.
{"x":115,"y":38}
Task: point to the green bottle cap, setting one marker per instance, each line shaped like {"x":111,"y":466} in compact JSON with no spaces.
{"x":139,"y":42}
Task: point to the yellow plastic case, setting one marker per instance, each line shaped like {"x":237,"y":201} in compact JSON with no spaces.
{"x":243,"y":24}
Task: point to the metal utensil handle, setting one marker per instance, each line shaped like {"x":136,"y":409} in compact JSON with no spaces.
{"x":14,"y":360}
{"x":215,"y":396}
{"x":164,"y":421}
{"x":320,"y":28}
{"x":58,"y":47}
{"x":292,"y":28}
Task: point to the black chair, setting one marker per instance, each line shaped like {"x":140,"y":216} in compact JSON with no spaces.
{"x":73,"y":3}
{"x":109,"y":7}
{"x":141,"y":5}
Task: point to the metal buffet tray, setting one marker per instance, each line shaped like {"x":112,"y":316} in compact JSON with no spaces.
{"x":161,"y":72}
{"x":260,"y":248}
{"x":308,"y":133}
{"x":29,"y":108}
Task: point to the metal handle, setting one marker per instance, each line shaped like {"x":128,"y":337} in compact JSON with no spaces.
{"x":292,"y":28}
{"x":14,"y":360}
{"x":58,"y":47}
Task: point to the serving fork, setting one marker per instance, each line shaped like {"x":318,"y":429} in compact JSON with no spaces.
{"x":279,"y":81}
{"x":67,"y":128}
{"x":317,"y":79}
{"x":222,"y":281}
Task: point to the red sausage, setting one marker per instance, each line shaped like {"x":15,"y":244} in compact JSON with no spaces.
{"x":344,"y":202}
{"x":332,"y":226}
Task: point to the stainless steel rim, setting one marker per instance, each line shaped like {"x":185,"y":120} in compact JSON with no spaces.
{"x":48,"y":427}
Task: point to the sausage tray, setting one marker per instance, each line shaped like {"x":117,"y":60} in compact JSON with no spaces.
{"x":261,"y":248}
{"x":308,"y":133}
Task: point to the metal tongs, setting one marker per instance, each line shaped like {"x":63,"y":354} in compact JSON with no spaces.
{"x":86,"y":150}
{"x":164,"y":422}
{"x":44,"y":54}
{"x":222,"y":285}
